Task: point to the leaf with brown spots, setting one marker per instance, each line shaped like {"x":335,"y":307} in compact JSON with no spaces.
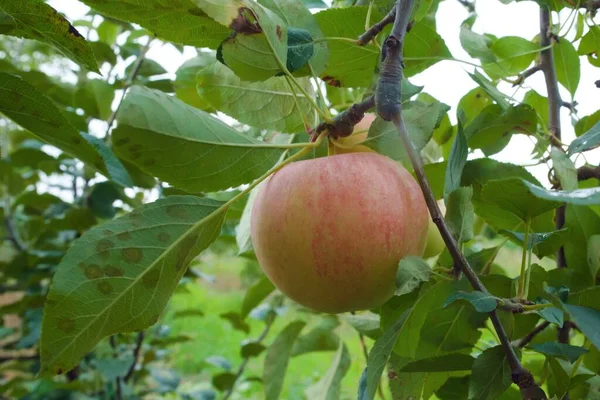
{"x":119,"y":276}
{"x":37,"y":20}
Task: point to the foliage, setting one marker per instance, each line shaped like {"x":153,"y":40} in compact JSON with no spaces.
{"x":127,"y":193}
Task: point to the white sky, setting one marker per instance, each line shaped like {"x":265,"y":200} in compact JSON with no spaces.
{"x":448,"y":81}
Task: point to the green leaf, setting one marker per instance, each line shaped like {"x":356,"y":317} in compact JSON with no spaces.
{"x":320,"y":338}
{"x":588,"y":321}
{"x":514,"y":196}
{"x":257,"y":49}
{"x":483,"y":302}
{"x":37,"y":20}
{"x":224,"y":381}
{"x":560,"y":350}
{"x":300,"y":49}
{"x":178,"y":21}
{"x":582,"y":223}
{"x":236,"y":321}
{"x":580,"y":197}
{"x":460,"y":216}
{"x":185,"y":82}
{"x":588,"y":141}
{"x":513,"y":55}
{"x":349,"y":65}
{"x":116,"y":171}
{"x":539,"y":103}
{"x":590,"y":42}
{"x":296,"y":15}
{"x":593,"y":254}
{"x":367,"y":323}
{"x":493,"y":128}
{"x":277,"y":359}
{"x":423,"y":48}
{"x":29,"y":108}
{"x":476,"y":45}
{"x":101,"y":199}
{"x":329,"y":387}
{"x":448,"y":362}
{"x":472,"y":103}
{"x":491,"y":375}
{"x":7,"y":23}
{"x":411,"y":272}
{"x":456,"y":162}
{"x":566,"y":62}
{"x":380,"y":354}
{"x":271,"y":104}
{"x":545,"y":242}
{"x":112,"y":368}
{"x":185,"y":146}
{"x":255,"y":295}
{"x":119,"y":275}
{"x":564,"y":169}
{"x":490,"y":89}
{"x":95,"y":98}
{"x":251,"y":349}
{"x":420,"y":119}
{"x":558,"y":379}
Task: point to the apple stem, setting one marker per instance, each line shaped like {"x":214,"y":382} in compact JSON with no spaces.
{"x":391,"y":108}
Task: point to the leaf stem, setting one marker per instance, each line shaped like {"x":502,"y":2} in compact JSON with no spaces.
{"x":523,"y":274}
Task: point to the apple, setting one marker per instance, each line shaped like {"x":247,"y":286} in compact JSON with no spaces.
{"x":329,"y":232}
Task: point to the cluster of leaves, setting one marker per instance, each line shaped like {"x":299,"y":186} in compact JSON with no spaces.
{"x":108,"y":136}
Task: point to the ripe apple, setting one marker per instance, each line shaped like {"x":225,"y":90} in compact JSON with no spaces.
{"x":329,"y":232}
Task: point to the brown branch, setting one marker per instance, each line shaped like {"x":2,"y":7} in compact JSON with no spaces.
{"x":13,"y":235}
{"x":531,"y":335}
{"x":554,"y":104}
{"x":394,"y":53}
{"x":587,"y":172}
{"x":526,"y":74}
{"x":136,"y":355}
{"x":469,"y":5}
{"x":597,"y":83}
{"x":343,"y":124}
{"x":128,"y":83}
{"x":374,"y":30}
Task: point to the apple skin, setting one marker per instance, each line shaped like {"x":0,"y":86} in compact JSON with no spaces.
{"x":329,"y":232}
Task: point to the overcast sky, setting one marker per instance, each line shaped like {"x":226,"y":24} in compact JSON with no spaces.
{"x":448,"y":81}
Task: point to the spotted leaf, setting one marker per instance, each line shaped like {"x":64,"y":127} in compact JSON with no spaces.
{"x":119,"y":276}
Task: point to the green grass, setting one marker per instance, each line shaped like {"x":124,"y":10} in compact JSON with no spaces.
{"x":213,"y":335}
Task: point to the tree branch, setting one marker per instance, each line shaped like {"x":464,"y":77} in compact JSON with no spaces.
{"x":526,"y":74}
{"x":128,"y":83}
{"x":587,"y":172}
{"x":136,"y":355}
{"x":374,"y":30}
{"x":343,"y":124}
{"x":531,"y":335}
{"x":388,"y":104}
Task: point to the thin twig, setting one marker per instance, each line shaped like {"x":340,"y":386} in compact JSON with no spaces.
{"x":526,"y":74}
{"x":374,"y":30}
{"x":469,"y":5}
{"x":531,"y":335}
{"x":136,"y":355}
{"x":113,"y":344}
{"x":394,"y":50}
{"x":242,"y":368}
{"x":130,"y":79}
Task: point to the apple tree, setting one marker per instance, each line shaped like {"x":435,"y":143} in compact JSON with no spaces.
{"x":120,"y":177}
